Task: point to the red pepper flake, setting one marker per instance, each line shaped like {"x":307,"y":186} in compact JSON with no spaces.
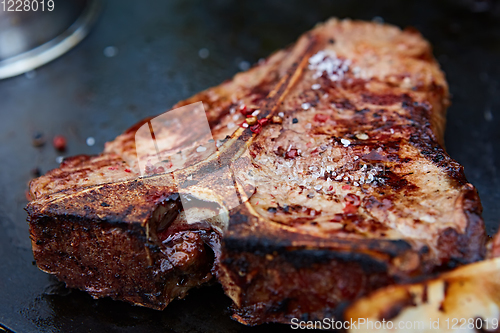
{"x":263,"y":121}
{"x":350,"y":209}
{"x":291,"y":154}
{"x":256,"y":128}
{"x":159,"y":169}
{"x":321,"y":117}
{"x":113,"y":168}
{"x":244,"y":110}
{"x":308,"y":144}
{"x":346,"y":187}
{"x":169,"y":165}
{"x":330,"y":188}
{"x":59,"y":142}
{"x":257,"y":203}
{"x":352,"y":199}
{"x":127,"y":170}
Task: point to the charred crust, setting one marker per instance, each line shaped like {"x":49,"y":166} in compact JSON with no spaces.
{"x":139,"y":276}
{"x":302,"y":258}
{"x":473,"y":241}
{"x":265,"y":244}
{"x":328,"y":284}
{"x":44,"y":224}
{"x":467,"y":247}
{"x":237,"y":218}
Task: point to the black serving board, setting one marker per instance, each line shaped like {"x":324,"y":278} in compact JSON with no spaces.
{"x":86,"y":94}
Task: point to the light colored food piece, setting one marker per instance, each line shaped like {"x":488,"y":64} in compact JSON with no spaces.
{"x":466,"y":299}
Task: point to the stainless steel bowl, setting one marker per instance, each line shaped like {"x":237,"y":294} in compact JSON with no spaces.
{"x":32,"y":38}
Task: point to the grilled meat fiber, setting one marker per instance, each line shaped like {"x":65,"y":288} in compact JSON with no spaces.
{"x":339,"y":185}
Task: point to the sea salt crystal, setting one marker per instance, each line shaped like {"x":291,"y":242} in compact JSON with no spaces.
{"x":345,"y":142}
{"x":316,"y":86}
{"x":327,"y":62}
{"x":201,"y":149}
{"x":317,"y":58}
{"x":362,"y":136}
{"x":306,"y":106}
{"x":230,"y":125}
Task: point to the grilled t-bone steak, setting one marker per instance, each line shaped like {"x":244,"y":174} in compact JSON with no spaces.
{"x":342,"y":177}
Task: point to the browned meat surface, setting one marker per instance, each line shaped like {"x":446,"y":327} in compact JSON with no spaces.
{"x":344,"y":187}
